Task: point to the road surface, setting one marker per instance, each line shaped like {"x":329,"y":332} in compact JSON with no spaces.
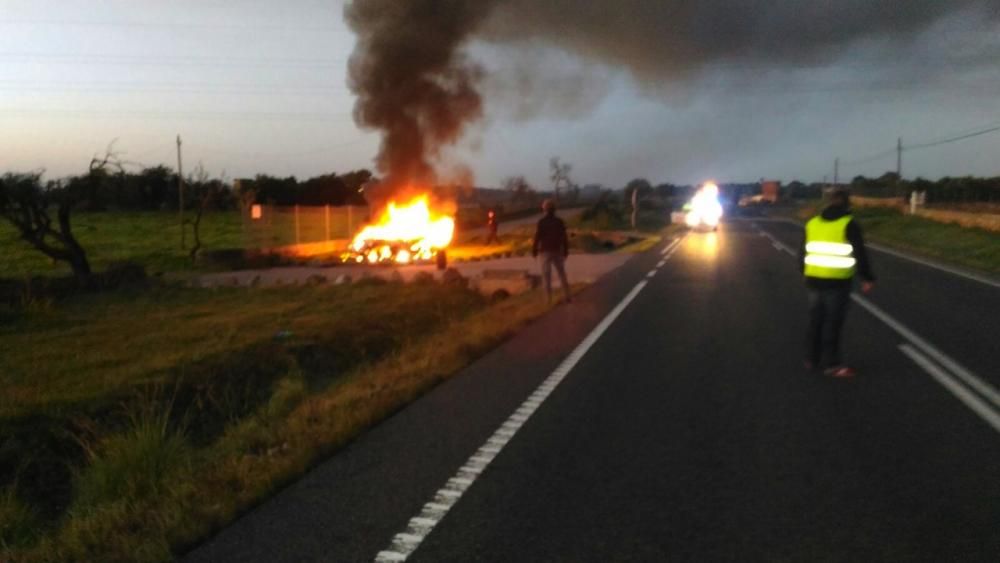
{"x":665,"y":416}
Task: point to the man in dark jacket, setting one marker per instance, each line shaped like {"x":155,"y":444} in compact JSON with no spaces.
{"x":553,"y":244}
{"x":491,"y":228}
{"x":832,"y":253}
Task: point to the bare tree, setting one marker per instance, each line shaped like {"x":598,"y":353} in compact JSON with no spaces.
{"x":27,"y":204}
{"x":519,"y":188}
{"x":559,"y":174}
{"x":205,"y":191}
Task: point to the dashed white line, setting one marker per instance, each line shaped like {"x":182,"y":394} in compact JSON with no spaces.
{"x":960,"y":371}
{"x":405,"y":543}
{"x":951,"y":366}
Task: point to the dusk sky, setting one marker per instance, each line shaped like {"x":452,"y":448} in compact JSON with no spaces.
{"x":258,"y":86}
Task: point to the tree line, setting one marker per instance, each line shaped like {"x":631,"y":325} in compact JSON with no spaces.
{"x":41,"y":210}
{"x":946,"y":190}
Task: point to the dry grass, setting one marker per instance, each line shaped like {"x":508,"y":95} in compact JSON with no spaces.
{"x":146,"y":492}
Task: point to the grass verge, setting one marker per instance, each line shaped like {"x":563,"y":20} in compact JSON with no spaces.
{"x":976,"y":249}
{"x":158,"y":472}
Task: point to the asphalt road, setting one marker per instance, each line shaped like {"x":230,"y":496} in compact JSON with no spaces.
{"x":681,"y":428}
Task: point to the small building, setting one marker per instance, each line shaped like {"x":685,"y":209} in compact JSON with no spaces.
{"x":770,"y":190}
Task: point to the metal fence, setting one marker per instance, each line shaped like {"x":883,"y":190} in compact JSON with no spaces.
{"x":269,"y":226}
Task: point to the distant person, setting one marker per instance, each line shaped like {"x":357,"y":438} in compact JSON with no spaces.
{"x":553,"y":244}
{"x":832,"y":253}
{"x":491,"y":228}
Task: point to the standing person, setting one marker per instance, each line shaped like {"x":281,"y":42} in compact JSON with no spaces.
{"x":491,"y":228}
{"x":553,"y":243}
{"x":832,"y":253}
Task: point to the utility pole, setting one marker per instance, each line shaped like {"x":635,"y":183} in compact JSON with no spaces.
{"x":180,"y":193}
{"x":836,"y":172}
{"x":899,"y":157}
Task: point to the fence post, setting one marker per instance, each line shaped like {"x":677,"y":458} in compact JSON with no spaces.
{"x":326,"y":210}
{"x":297,"y":237}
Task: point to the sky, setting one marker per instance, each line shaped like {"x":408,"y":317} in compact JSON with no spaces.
{"x":255,"y":86}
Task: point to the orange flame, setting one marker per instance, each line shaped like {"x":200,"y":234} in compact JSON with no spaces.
{"x":404,"y":234}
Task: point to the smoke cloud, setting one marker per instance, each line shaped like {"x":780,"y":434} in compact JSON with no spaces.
{"x":412,"y":81}
{"x":416,"y":84}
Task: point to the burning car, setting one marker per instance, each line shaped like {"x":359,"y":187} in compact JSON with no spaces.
{"x":404,"y":234}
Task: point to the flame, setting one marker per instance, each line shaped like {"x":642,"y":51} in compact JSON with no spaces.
{"x":405,"y":233}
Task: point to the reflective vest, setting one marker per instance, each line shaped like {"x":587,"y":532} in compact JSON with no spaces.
{"x":828,"y":253}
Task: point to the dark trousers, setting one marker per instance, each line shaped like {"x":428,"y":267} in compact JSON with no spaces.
{"x":827,"y":310}
{"x":558,"y":261}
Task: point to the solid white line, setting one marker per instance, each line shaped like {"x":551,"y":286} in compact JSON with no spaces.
{"x":974,"y":403}
{"x":905,"y":256}
{"x":960,"y":371}
{"x":953,"y":366}
{"x":405,"y":543}
{"x":931,"y":264}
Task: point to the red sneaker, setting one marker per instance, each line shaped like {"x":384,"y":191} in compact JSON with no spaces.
{"x":840,"y":371}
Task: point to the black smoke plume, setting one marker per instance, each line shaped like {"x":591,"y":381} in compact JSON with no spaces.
{"x":412,"y":81}
{"x":417,"y":87}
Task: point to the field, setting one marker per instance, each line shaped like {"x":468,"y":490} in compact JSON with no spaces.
{"x":149,"y":238}
{"x":136,"y":422}
{"x":153,"y":238}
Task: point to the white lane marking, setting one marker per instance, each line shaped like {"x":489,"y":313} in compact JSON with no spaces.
{"x":974,"y":403}
{"x":673,"y":244}
{"x":960,"y":371}
{"x":922,"y":261}
{"x":405,"y":543}
{"x":651,"y":273}
{"x":930,"y":264}
{"x":661,"y":263}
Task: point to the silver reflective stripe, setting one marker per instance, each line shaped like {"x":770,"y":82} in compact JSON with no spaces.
{"x":834,"y":248}
{"x":823,"y":261}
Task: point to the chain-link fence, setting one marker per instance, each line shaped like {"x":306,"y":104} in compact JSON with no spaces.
{"x":270,"y":226}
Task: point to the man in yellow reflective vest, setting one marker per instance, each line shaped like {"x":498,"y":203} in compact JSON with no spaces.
{"x":831,"y":255}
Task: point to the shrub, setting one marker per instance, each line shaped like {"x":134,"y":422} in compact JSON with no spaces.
{"x":17,"y":522}
{"x":134,"y":463}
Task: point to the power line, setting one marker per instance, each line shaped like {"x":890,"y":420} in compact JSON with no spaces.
{"x":990,"y":128}
{"x":106,"y":89}
{"x":174,"y":25}
{"x":166,"y":60}
{"x":952,"y":139}
{"x":202,"y":115}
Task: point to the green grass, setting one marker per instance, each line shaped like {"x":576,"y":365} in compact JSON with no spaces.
{"x":150,"y":238}
{"x":977,"y":249}
{"x":175,"y":410}
{"x":973,"y":248}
